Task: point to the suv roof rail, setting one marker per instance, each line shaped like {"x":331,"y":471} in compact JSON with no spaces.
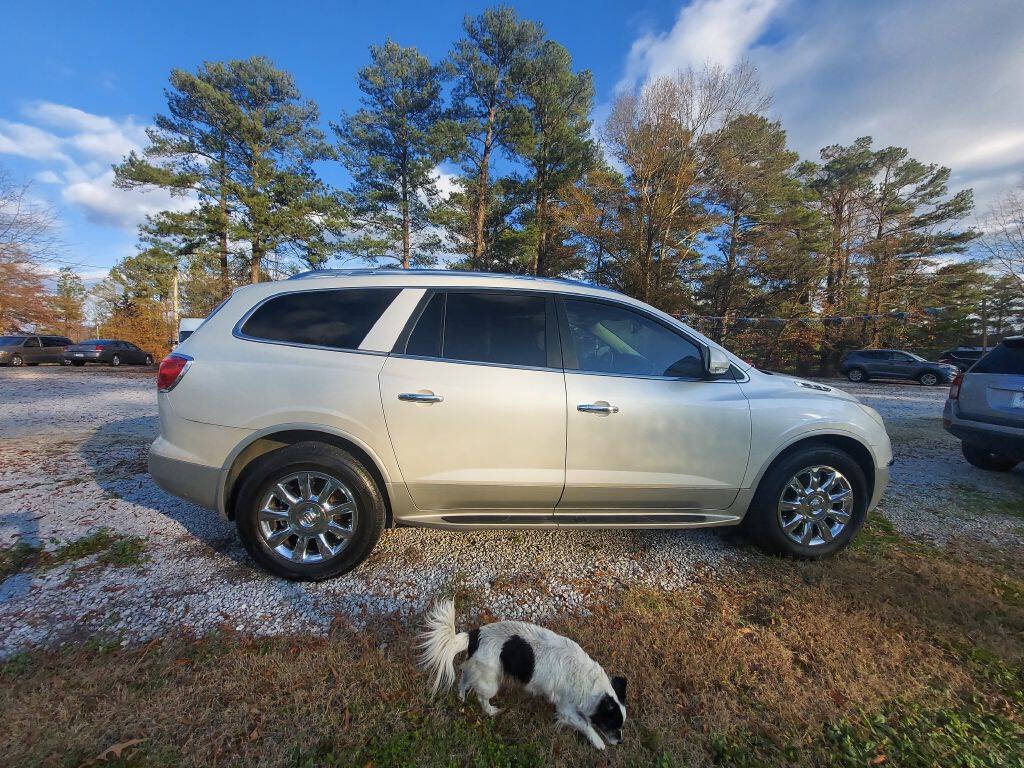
{"x":362,"y":272}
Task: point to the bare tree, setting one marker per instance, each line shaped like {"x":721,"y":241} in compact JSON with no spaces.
{"x":26,"y":239}
{"x":1003,"y":233}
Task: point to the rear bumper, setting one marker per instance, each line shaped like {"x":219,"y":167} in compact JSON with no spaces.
{"x":91,"y":357}
{"x":997,"y":438}
{"x":193,"y":482}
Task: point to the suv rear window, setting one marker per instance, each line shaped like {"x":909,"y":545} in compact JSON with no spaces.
{"x":498,"y":328}
{"x":339,"y":319}
{"x":1004,"y":359}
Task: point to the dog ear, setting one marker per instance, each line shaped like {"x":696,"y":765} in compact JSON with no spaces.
{"x":619,"y":686}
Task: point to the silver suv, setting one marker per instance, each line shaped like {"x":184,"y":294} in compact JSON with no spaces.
{"x":317,"y":411}
{"x":985,"y":408}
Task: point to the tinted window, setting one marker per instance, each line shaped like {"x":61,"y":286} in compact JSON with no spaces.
{"x":33,"y":342}
{"x":1004,"y":359}
{"x":610,"y":339}
{"x":54,"y":341}
{"x":11,"y":341}
{"x":425,"y":340}
{"x":339,"y":319}
{"x":507,"y":329}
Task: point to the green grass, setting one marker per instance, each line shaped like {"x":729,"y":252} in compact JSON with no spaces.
{"x":970,"y":499}
{"x":110,"y":549}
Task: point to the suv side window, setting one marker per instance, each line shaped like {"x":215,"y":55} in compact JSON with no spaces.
{"x":1004,"y":359}
{"x":32,"y":341}
{"x":337,"y":318}
{"x":53,"y":341}
{"x":425,"y":340}
{"x":498,"y":328}
{"x":616,"y":340}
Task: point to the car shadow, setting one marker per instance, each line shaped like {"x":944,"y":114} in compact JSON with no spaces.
{"x":117,"y":454}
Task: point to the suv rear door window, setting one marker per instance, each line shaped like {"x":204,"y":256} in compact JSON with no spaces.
{"x":610,"y":339}
{"x":499,"y":328}
{"x":1004,"y":359}
{"x":339,"y":319}
{"x":425,"y":340}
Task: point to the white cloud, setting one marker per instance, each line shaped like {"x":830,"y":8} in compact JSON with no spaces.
{"x":941,"y":77}
{"x":79,"y":147}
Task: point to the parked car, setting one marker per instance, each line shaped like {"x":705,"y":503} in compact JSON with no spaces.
{"x":985,"y":408}
{"x":866,"y":364}
{"x":110,"y":351}
{"x":29,"y":349}
{"x":314,"y":412}
{"x":962,"y":357}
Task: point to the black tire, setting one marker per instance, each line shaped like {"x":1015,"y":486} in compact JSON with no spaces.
{"x":17,"y":361}
{"x":857,"y":375}
{"x":762,"y":522}
{"x":983,"y":459}
{"x":928,"y":379}
{"x":268,"y":469}
{"x":115,"y":360}
{"x":79,"y":363}
{"x":149,"y":360}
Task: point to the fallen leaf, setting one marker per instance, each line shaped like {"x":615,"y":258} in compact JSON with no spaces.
{"x":114,"y":751}
{"x":878,"y":760}
{"x":255,"y":734}
{"x":346,"y":718}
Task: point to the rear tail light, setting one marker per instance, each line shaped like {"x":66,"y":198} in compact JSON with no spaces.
{"x":172,"y":370}
{"x":954,"y":387}
{"x":97,"y":347}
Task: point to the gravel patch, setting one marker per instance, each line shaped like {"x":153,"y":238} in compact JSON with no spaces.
{"x":73,"y":459}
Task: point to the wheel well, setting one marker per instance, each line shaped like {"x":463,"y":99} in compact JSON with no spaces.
{"x":271,"y":442}
{"x":857,"y":450}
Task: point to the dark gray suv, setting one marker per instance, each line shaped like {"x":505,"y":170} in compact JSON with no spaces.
{"x":985,"y":408}
{"x":29,"y":349}
{"x":864,"y":364}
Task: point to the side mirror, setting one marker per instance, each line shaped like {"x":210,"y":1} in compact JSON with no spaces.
{"x":718,"y":362}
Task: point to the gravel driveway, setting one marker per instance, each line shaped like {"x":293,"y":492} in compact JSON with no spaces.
{"x":73,"y":459}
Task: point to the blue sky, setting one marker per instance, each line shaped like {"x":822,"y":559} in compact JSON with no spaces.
{"x":82,"y":80}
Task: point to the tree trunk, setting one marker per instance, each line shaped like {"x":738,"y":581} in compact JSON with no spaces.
{"x":256,"y":260}
{"x":481,"y":193}
{"x":405,"y":223}
{"x":225,"y":276}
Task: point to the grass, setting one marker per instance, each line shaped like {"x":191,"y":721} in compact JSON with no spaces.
{"x":973,"y":500}
{"x":889,"y":654}
{"x":110,"y":549}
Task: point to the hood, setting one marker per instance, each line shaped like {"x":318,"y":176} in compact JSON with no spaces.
{"x":805,"y":386}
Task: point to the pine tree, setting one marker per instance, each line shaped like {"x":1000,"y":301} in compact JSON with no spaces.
{"x":485,"y":65}
{"x":391,"y":148}
{"x":68,"y":304}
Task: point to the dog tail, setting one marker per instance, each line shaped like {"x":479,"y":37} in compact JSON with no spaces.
{"x":439,"y":645}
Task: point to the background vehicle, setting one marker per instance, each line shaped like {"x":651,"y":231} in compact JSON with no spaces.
{"x":187,"y":326}
{"x":316,"y":411}
{"x":865,"y":364}
{"x":110,"y":351}
{"x":962,"y":357}
{"x":32,"y":350}
{"x":985,"y":408}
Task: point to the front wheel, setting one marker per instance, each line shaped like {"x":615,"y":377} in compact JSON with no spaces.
{"x":983,"y":459}
{"x":309,"y":512}
{"x":857,"y":375}
{"x":928,"y":379}
{"x":809,"y":504}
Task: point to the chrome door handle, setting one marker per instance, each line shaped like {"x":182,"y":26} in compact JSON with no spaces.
{"x":597,"y":408}
{"x":420,"y":397}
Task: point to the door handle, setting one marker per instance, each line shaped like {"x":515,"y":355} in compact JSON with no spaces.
{"x":420,"y":397}
{"x":597,"y":408}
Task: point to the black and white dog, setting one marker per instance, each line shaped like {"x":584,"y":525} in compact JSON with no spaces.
{"x":544,"y":662}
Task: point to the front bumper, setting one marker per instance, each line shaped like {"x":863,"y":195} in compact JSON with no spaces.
{"x":193,"y":482}
{"x":881,"y":481}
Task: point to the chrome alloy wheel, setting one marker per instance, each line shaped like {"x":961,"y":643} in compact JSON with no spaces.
{"x":307,"y":517}
{"x":815,"y":506}
{"x":929,"y":379}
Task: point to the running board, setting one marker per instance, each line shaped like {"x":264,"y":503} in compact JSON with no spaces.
{"x":640,"y":518}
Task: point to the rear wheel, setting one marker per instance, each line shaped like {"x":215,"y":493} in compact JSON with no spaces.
{"x":928,"y":379}
{"x":309,"y":512}
{"x":149,"y":360}
{"x":983,"y":459}
{"x":809,"y":504}
{"x":857,"y":375}
{"x":115,"y":360}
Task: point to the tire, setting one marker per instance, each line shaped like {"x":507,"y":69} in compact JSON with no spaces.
{"x":928,"y":379}
{"x":992,"y":462}
{"x":765,"y":519}
{"x":78,"y":363}
{"x":318,"y":461}
{"x":857,"y":375}
{"x":115,"y":360}
{"x":149,"y":360}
